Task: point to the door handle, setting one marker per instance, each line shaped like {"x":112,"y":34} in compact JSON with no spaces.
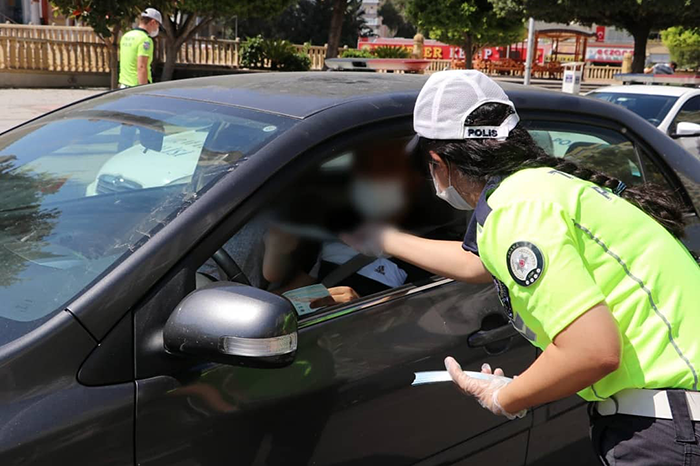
{"x":486,"y":337}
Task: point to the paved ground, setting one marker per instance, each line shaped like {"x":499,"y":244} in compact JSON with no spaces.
{"x":18,"y":105}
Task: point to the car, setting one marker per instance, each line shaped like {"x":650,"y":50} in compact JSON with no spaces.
{"x":675,"y":110}
{"x":140,"y":325}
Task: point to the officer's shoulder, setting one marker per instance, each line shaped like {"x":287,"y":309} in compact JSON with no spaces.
{"x":538,"y":184}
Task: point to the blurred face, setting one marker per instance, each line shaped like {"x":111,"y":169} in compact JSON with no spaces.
{"x":384,"y":182}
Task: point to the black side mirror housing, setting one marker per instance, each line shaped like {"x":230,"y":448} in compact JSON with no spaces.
{"x":233,"y":324}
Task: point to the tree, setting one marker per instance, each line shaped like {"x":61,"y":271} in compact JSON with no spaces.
{"x":470,"y":24}
{"x":307,"y":21}
{"x":108,"y":18}
{"x":393,"y":18}
{"x":638,"y":17}
{"x":684,"y":45}
{"x":336,"y":27}
{"x":184,"y":18}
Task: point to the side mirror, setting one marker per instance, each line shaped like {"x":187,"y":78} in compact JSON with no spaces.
{"x":686,"y":129}
{"x":233,"y":324}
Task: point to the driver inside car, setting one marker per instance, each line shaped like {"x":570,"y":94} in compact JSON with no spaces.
{"x":384,"y":187}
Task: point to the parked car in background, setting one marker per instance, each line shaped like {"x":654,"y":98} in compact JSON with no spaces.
{"x":674,"y":110}
{"x":139,"y":325}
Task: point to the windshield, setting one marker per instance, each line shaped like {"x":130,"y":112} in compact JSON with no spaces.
{"x":653,"y":108}
{"x":83,"y":188}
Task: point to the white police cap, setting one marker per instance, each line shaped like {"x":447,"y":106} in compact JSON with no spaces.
{"x":152,"y":13}
{"x":449,"y":97}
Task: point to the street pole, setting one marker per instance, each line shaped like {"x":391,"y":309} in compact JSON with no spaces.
{"x":530,"y":50}
{"x":235,"y":34}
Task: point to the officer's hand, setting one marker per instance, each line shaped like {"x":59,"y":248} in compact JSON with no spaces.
{"x":485,"y":391}
{"x":368,"y":239}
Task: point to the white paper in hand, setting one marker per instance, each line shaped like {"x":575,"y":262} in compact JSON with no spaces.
{"x":422,"y":378}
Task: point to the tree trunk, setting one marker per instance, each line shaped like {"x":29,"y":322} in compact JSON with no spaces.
{"x":170,"y":59}
{"x":176,"y":37}
{"x":468,"y":52}
{"x":640,"y":32}
{"x":113,"y":65}
{"x":336,"y":28}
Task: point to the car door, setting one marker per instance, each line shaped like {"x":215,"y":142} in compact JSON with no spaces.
{"x":688,"y":113}
{"x":560,"y":431}
{"x":348,"y":397}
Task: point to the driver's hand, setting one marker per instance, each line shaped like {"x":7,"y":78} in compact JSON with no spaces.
{"x":338,"y":295}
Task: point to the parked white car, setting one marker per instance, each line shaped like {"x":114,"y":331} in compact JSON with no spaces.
{"x":674,"y":110}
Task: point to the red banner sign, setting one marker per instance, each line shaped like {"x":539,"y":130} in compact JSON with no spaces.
{"x":606,"y":53}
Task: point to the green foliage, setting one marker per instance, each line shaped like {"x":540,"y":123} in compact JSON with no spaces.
{"x":355,"y":53}
{"x":253,"y":53}
{"x":638,"y":17}
{"x":104,"y":16}
{"x":283,"y":56}
{"x":394,"y":18}
{"x":279,"y":55}
{"x":470,"y":24}
{"x":387,"y":51}
{"x":684,"y":45}
{"x":307,"y":21}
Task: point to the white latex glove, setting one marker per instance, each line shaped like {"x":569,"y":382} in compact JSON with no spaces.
{"x":369,"y":239}
{"x":485,"y":391}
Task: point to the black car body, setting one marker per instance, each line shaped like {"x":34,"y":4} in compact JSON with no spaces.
{"x":90,"y":283}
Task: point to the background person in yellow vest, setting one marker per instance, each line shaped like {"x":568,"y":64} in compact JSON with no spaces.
{"x":136,"y":50}
{"x":590,"y":271}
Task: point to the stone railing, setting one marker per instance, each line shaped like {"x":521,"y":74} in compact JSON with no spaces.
{"x":50,"y":55}
{"x":80,"y":50}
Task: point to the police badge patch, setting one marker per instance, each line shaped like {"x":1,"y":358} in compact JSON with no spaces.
{"x":525,"y":263}
{"x":146,"y":45}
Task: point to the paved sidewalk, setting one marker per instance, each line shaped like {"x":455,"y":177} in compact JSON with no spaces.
{"x":19,"y":105}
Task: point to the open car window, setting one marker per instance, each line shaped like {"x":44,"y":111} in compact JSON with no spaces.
{"x":293,"y":247}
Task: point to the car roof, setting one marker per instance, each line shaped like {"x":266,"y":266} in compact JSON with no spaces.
{"x":297,"y":95}
{"x":671,"y":91}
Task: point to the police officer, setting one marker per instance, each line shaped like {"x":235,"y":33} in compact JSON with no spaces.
{"x":591,"y":271}
{"x":136,"y":50}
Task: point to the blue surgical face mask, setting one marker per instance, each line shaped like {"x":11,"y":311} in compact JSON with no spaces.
{"x":450,"y":195}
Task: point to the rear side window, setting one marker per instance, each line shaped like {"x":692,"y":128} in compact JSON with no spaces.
{"x":596,"y":148}
{"x":601,"y":149}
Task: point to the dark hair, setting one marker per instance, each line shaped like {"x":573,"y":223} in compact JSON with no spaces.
{"x":674,"y":65}
{"x":481,"y":159}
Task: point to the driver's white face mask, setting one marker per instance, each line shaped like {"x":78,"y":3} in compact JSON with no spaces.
{"x":450,"y":195}
{"x":378,"y":199}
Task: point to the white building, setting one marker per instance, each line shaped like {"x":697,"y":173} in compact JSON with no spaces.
{"x":371,"y":16}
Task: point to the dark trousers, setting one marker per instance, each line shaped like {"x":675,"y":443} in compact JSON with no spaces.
{"x":621,"y":440}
